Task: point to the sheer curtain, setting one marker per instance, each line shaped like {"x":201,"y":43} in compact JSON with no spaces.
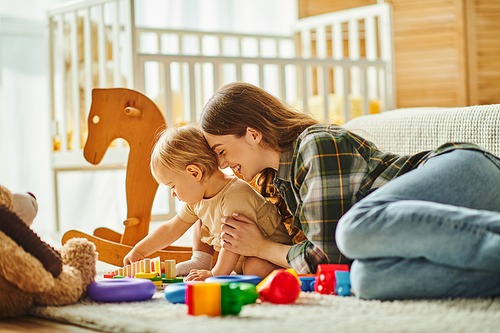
{"x":89,"y":199}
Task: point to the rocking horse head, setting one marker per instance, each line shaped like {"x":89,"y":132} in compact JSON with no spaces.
{"x":120,"y":113}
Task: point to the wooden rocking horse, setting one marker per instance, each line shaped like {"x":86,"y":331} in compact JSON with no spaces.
{"x":128,"y":114}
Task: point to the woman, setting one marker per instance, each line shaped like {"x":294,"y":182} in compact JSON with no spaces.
{"x":433,"y":232}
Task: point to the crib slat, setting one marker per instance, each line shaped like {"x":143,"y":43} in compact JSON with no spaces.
{"x":116,"y":46}
{"x":158,"y":41}
{"x":364,"y":90}
{"x":322,"y":72}
{"x":169,"y":111}
{"x":386,"y":55}
{"x":353,"y":36}
{"x":87,"y":46}
{"x":282,"y":82}
{"x":338,"y":54}
{"x":261,"y":75}
{"x":305,"y":88}
{"x":238,"y":72}
{"x":75,"y":94}
{"x":130,"y":53}
{"x":321,"y":42}
{"x":383,"y":86}
{"x":63,"y":113}
{"x":101,"y":47}
{"x":345,"y":84}
{"x":305,"y":36}
{"x":324,"y":91}
{"x":52,"y":66}
{"x":371,"y":54}
{"x":192,"y":93}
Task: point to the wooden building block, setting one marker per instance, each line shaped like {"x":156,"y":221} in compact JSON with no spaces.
{"x":170,"y":272}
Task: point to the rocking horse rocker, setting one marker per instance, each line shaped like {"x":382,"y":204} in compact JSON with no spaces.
{"x":128,"y":114}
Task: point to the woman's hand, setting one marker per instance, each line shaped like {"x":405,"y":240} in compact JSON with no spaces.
{"x":242,"y":236}
{"x":198,"y":275}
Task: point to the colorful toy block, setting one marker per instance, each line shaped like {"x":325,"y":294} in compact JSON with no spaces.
{"x":325,"y":277}
{"x":170,"y":272}
{"x":280,"y":287}
{"x":214,"y":299}
{"x":342,"y":283}
{"x":156,"y":265}
{"x":307,"y":283}
{"x":151,"y":269}
{"x":176,"y":293}
{"x":324,"y":284}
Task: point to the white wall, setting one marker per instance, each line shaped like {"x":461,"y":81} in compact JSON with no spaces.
{"x":24,"y":109}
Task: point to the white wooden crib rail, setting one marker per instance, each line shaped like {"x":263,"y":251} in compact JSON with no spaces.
{"x":364,"y":36}
{"x":336,"y":66}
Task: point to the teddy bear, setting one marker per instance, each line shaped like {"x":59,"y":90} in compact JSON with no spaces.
{"x":32,"y":273}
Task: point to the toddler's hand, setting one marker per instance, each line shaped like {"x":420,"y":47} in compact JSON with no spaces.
{"x":131,"y":257}
{"x":198,"y":275}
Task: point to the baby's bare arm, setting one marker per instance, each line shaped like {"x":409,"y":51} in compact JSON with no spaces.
{"x":161,"y":237}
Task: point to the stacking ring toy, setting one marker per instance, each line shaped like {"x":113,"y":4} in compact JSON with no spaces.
{"x":121,"y":290}
{"x":176,"y":293}
{"x":253,"y":279}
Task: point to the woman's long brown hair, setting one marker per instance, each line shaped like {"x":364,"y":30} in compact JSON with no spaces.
{"x":238,"y":105}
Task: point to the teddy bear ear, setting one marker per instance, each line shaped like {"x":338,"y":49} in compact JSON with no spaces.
{"x":14,"y":227}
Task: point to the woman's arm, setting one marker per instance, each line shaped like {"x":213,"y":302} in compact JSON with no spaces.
{"x":242,"y":236}
{"x":161,"y":237}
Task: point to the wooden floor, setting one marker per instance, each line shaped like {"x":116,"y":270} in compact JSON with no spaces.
{"x":38,"y":325}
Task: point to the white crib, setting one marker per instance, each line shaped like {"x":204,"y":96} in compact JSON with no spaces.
{"x":336,"y":66}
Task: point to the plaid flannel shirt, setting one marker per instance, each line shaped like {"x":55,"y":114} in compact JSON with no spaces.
{"x":322,"y":174}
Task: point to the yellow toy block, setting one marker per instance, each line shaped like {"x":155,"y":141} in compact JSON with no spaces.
{"x":146,"y":275}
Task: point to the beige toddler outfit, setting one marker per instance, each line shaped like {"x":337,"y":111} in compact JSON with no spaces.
{"x":237,"y":196}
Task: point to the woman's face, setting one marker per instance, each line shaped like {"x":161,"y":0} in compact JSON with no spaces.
{"x":244,"y":155}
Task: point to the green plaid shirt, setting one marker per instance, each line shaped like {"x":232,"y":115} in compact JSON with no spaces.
{"x":322,"y":174}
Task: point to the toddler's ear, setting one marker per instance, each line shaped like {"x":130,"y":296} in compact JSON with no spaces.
{"x":25,"y":206}
{"x":195,"y":171}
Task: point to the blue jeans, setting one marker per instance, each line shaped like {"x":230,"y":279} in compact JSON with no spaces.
{"x":433,"y":232}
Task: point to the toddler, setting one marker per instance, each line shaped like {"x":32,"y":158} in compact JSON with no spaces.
{"x":183,"y":161}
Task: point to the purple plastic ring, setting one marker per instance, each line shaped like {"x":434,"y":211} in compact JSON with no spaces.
{"x":253,"y":279}
{"x":121,"y":290}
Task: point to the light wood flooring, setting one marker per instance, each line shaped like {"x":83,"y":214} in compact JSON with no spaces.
{"x":38,"y":325}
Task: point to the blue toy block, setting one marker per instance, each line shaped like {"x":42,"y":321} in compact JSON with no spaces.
{"x":307,"y":283}
{"x":343,"y":283}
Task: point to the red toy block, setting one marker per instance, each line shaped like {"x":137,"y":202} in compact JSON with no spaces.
{"x":324,"y":284}
{"x":325,"y":277}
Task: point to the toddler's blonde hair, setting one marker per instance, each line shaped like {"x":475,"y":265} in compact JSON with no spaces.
{"x":179,"y":147}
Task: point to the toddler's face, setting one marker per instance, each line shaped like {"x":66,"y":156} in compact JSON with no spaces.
{"x":182,"y":185}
